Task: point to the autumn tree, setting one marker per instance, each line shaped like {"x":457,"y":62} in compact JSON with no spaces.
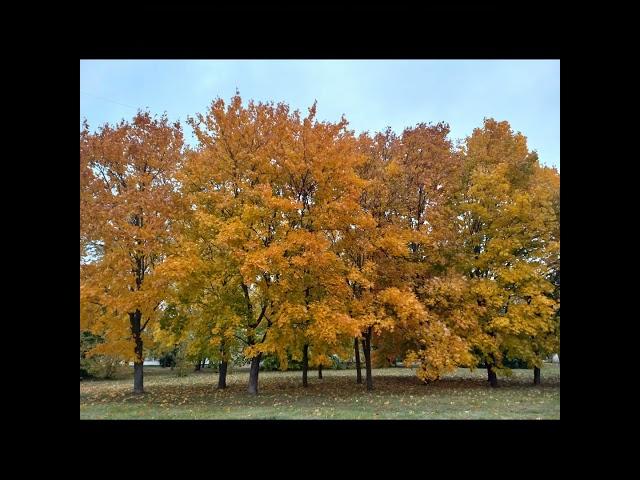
{"x":315,"y":170}
{"x":205,"y":293}
{"x":505,"y":245}
{"x":543,"y":337}
{"x":239,"y":209}
{"x":425,"y":168}
{"x":284,"y":235}
{"x":126,"y":211}
{"x":376,"y":248}
{"x":407,"y":184}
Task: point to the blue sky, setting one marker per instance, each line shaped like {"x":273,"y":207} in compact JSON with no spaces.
{"x":370,"y":93}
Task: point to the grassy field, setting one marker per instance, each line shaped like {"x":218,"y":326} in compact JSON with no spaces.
{"x":398,"y":394}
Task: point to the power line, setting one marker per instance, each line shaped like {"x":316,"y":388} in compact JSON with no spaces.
{"x":107,"y":100}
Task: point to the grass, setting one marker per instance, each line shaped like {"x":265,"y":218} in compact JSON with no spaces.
{"x":397,"y":394}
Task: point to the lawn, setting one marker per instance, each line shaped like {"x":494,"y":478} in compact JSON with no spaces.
{"x":397,"y":394}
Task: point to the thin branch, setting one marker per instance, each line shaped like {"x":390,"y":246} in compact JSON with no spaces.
{"x":145,"y":324}
{"x":241,"y":339}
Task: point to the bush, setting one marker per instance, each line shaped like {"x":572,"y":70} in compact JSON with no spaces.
{"x":183,"y":366}
{"x":507,"y":362}
{"x":337,"y":364}
{"x":87,"y":341}
{"x":102,"y":367}
{"x":514,"y":363}
{"x":271,"y":363}
{"x":167,"y":360}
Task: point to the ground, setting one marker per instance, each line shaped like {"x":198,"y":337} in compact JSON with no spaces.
{"x":397,"y":394}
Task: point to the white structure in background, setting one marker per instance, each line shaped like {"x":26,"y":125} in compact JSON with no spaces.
{"x":555,"y":358}
{"x":147,"y":361}
{"x":150,"y":361}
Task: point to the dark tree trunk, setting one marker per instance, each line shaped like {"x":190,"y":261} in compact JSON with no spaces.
{"x":222,"y":368}
{"x":203,"y":362}
{"x":222,"y":374}
{"x":536,"y":376}
{"x":305,"y":364}
{"x":367,"y":357}
{"x":320,"y":371}
{"x":198,"y":366}
{"x":493,"y":378}
{"x":138,"y":362}
{"x":253,"y":374}
{"x":356,"y":347}
{"x":138,"y":377}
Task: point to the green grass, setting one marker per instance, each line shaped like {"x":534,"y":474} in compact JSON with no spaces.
{"x":397,"y":394}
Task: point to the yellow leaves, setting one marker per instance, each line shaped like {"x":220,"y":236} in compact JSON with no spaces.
{"x":252,"y":351}
{"x":330,"y":235}
{"x":357,"y":276}
{"x":292,"y":313}
{"x":328,"y":322}
{"x":500,"y":323}
{"x":441,"y":352}
{"x":392,"y":244}
{"x":401,"y":307}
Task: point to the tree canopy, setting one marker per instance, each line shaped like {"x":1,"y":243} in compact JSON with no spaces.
{"x":282,"y":235}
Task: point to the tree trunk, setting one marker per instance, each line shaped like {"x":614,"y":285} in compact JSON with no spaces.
{"x":305,"y":364}
{"x":493,"y":378}
{"x":367,"y":358}
{"x":536,"y":376}
{"x":138,"y":362}
{"x":222,"y":375}
{"x":138,"y":377}
{"x":198,"y":366}
{"x":320,"y":371}
{"x":253,"y":374}
{"x":356,"y":347}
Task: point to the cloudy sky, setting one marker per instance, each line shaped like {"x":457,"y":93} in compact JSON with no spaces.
{"x":372,"y":94}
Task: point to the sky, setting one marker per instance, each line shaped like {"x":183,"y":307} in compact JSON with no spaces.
{"x":372,"y":94}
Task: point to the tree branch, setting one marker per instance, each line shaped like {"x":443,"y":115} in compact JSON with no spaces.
{"x":241,"y":339}
{"x":145,"y":324}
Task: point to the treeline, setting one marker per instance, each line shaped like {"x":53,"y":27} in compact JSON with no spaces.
{"x":279,"y":235}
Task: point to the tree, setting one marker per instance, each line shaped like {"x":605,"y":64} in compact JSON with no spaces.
{"x":126,"y":210}
{"x":504,"y":226}
{"x":409,"y":180}
{"x":238,"y":207}
{"x":315,"y":170}
{"x":284,"y":236}
{"x":374,"y":248}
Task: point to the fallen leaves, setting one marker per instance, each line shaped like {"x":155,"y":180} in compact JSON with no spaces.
{"x":398,"y":395}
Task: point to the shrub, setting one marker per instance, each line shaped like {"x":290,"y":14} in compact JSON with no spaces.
{"x":514,"y":363}
{"x":270,"y":363}
{"x":102,"y":367}
{"x":337,"y":363}
{"x":167,"y":360}
{"x":507,"y":362}
{"x":183,"y":366}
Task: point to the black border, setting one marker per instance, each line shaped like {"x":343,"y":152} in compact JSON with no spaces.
{"x":495,"y":30}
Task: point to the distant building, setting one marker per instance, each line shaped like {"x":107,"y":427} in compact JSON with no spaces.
{"x":148,"y":361}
